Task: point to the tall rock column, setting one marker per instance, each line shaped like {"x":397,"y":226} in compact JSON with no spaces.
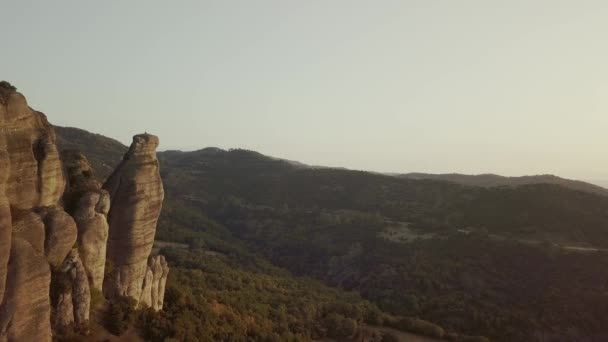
{"x":73,"y":295}
{"x":153,"y":294}
{"x":136,"y":197}
{"x":5,"y":212}
{"x":35,"y":232}
{"x":89,"y":205}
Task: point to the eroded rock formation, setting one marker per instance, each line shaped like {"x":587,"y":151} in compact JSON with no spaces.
{"x":36,"y":176}
{"x":153,"y":293}
{"x":5,"y":216}
{"x":25,"y":311}
{"x":60,"y":234}
{"x":89,"y":205}
{"x":73,"y":294}
{"x":38,"y":236}
{"x":32,"y":185}
{"x":136,"y":197}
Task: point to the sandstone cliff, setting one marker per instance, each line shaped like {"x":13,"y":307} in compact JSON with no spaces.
{"x":73,"y":294}
{"x":89,"y":205}
{"x":36,"y":232}
{"x":153,"y":293}
{"x":136,"y":196}
{"x":44,"y":215}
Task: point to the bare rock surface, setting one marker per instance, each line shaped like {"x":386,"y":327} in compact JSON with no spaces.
{"x":31,"y":185}
{"x":89,"y":205}
{"x":81,"y":294}
{"x":73,"y":295}
{"x":159,"y":301}
{"x":153,"y":294}
{"x":25,"y":311}
{"x":64,"y":308}
{"x":5,"y":218}
{"x":136,"y":196}
{"x":60,"y":231}
{"x":36,"y":176}
{"x":93,"y":234}
{"x":56,"y":231}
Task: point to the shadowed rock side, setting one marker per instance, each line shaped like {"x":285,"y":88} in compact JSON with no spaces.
{"x":5,"y":215}
{"x":25,"y":312}
{"x":73,"y":294}
{"x":89,"y":205}
{"x":33,"y":227}
{"x":60,"y":234}
{"x":153,"y":294}
{"x":136,"y":196}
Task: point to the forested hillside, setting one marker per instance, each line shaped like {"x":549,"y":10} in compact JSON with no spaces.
{"x":491,"y":180}
{"x":103,"y":153}
{"x":214,"y":178}
{"x":477,"y":261}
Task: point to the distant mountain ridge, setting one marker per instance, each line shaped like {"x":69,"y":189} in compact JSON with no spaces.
{"x":491,"y":180}
{"x":105,"y":153}
{"x":533,"y":206}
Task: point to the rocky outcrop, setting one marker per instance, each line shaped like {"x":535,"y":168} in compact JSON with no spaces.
{"x":39,"y":238}
{"x":93,"y":234}
{"x":60,"y":234}
{"x":153,"y":293}
{"x":73,"y":301}
{"x":36,"y":176}
{"x":64,"y":308}
{"x":136,"y":196}
{"x":41,"y":222}
{"x":5,"y":214}
{"x":158,"y":296}
{"x":41,"y":234}
{"x":25,"y":311}
{"x":89,"y":205}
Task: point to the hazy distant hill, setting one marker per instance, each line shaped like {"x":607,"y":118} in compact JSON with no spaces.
{"x":490,"y":180}
{"x":105,"y":153}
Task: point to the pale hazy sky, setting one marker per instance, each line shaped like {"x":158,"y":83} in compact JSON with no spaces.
{"x":509,"y":87}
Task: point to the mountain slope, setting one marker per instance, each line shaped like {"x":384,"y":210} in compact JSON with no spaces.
{"x":211,"y":177}
{"x":103,"y":153}
{"x":332,"y":225}
{"x":479,"y":261}
{"x":492,"y":180}
{"x":219,"y":290}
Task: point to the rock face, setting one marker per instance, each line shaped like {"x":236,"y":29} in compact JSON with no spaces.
{"x":35,"y":231}
{"x":60,"y":232}
{"x":74,"y":295}
{"x":89,"y":205}
{"x":136,"y":196}
{"x":25,"y":311}
{"x":5,"y":214}
{"x":153,"y":294}
{"x":64,"y":308}
{"x":36,"y":176}
{"x":41,"y":221}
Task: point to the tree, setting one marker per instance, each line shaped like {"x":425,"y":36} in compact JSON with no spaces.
{"x":121,"y":315}
{"x":7,"y":85}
